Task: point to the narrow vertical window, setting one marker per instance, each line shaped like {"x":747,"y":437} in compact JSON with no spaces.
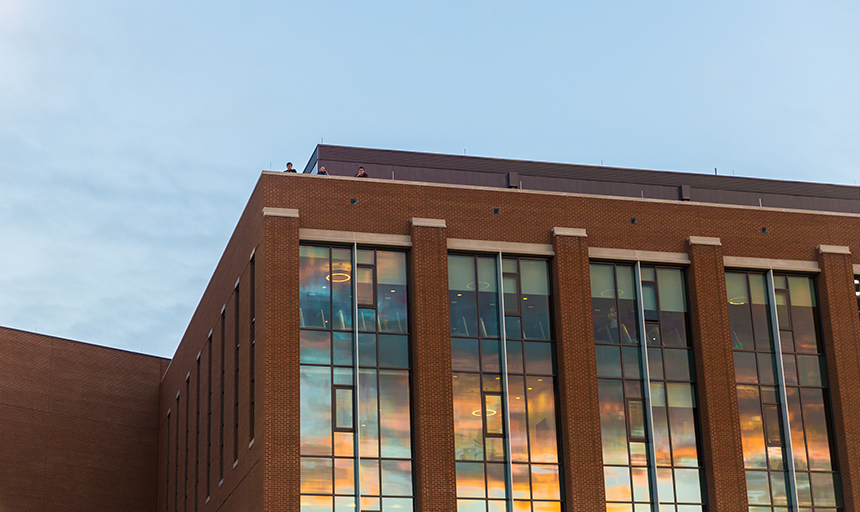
{"x":187,"y":431}
{"x":355,"y":423}
{"x":167,"y":472}
{"x":209,"y":418}
{"x":505,"y":426}
{"x":197,"y":441}
{"x":221,"y":430}
{"x":176,"y":460}
{"x":857,"y":292}
{"x":784,"y":408}
{"x":236,"y":383}
{"x":648,"y":416}
{"x":252,"y":361}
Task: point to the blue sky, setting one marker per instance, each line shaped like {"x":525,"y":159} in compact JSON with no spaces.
{"x":132,"y":133}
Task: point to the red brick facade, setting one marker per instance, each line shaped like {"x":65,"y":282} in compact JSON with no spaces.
{"x":284,"y":206}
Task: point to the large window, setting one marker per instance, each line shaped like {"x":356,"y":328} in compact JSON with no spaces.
{"x":783,"y":399}
{"x":648,"y":416}
{"x":355,"y":381}
{"x":505,"y":428}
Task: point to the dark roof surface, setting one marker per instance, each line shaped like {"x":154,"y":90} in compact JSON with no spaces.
{"x":585,"y":179}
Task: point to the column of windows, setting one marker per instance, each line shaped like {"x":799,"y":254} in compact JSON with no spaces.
{"x":783,"y":398}
{"x":354,"y":404}
{"x":648,"y":412}
{"x":505,"y":427}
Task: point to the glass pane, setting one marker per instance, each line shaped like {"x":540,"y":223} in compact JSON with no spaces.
{"x":688,"y":486}
{"x":488,"y":297}
{"x":462,"y":295}
{"x":740,"y":319}
{"x":470,"y":480}
{"x":343,"y":444}
{"x":341,"y":287}
{"x":394,"y":429}
{"x":538,"y":358}
{"x":367,"y":413}
{"x":391,"y":268}
{"x":608,"y":361}
{"x":369,"y":477}
{"x":752,"y":433}
{"x":494,"y":448}
{"x":662,"y":445}
{"x":627,"y":310}
{"x":367,"y":320}
{"x":343,"y":349}
{"x":534,"y":275}
{"x":509,"y":285}
{"x":636,"y":419}
{"x":513,"y":327}
{"x":665,"y":485}
{"x":649,"y":300}
{"x":316,"y":476}
{"x":613,"y":427}
{"x":344,"y":476}
{"x":772,"y":425}
{"x":464,"y":355}
{"x":393,"y":351}
{"x":522,"y":486}
{"x":809,"y":370}
{"x":541,"y":411}
{"x":602,"y":281}
{"x":493,"y":414}
{"x":315,"y":347}
{"x":632,"y":362}
{"x":673,"y":297}
{"x":825,"y":492}
{"x":682,"y":424}
{"x":534,"y":279}
{"x":778,"y":486}
{"x":677,"y":364}
{"x":795,"y":422}
{"x":343,"y":377}
{"x":315,"y":397}
{"x":366,"y":349}
{"x":617,"y":483}
{"x":641,"y":484}
{"x":652,"y":336}
{"x":314,"y":291}
{"x":365,"y":257}
{"x":391,"y":308}
{"x":519,"y":421}
{"x":655,"y":363}
{"x":745,"y":368}
{"x":545,"y":482}
{"x":815,"y":423}
{"x":648,"y":273}
{"x":515,"y":356}
{"x":343,"y":403}
{"x":365,"y":285}
{"x":468,"y":426}
{"x":396,"y":478}
{"x":496,"y":481}
{"x":766,"y":369}
{"x":490,"y":361}
{"x":316,"y":503}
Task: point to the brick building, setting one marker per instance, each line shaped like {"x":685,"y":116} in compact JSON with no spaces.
{"x":505,"y":335}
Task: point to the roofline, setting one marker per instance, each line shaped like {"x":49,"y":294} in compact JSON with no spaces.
{"x":84,"y":343}
{"x":572,"y":194}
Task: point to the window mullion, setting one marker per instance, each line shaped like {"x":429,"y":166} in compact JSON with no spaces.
{"x":646,"y":376}
{"x":355,"y":381}
{"x":503,"y":355}
{"x":780,"y":375}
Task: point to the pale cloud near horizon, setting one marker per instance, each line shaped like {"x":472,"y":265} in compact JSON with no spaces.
{"x":132,"y":133}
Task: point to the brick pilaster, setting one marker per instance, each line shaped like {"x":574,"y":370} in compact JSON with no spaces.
{"x":581,"y":444}
{"x":840,"y":328}
{"x":280,"y":361}
{"x":715,"y":379}
{"x":432,"y":395}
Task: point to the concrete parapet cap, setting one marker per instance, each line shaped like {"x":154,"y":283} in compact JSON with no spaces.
{"x":428,"y":223}
{"x":462,"y":244}
{"x":269,"y":211}
{"x":353,"y":237}
{"x":767,"y":263}
{"x":833,"y":249}
{"x":568,"y":232}
{"x":633,"y":255}
{"x":704,"y":240}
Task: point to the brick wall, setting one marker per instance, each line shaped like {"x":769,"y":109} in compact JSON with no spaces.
{"x":78,"y":426}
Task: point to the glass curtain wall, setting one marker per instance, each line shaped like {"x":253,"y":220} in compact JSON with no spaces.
{"x":784,"y":408}
{"x":505,"y":428}
{"x":650,"y":434}
{"x":354,"y":302}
